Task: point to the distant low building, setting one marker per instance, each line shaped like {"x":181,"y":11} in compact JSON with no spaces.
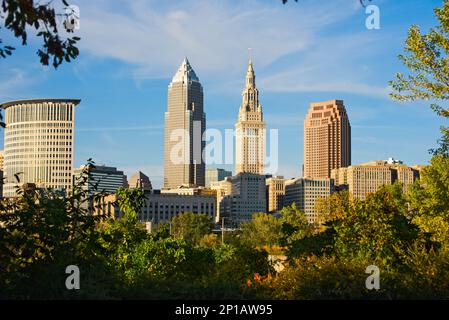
{"x":305,"y":192}
{"x":160,"y":207}
{"x":367,"y":178}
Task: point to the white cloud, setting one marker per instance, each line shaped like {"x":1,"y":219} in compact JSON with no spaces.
{"x":214,"y":34}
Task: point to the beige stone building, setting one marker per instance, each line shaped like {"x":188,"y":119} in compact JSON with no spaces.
{"x":327,"y":139}
{"x":222,"y":189}
{"x":275,"y":193}
{"x":250,"y":129}
{"x":367,"y":178}
{"x":305,"y":192}
{"x":39,"y":143}
{"x":185,"y":123}
{"x":162,"y":207}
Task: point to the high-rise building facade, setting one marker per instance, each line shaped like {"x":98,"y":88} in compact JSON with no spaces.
{"x":216,"y":174}
{"x":247,"y":197}
{"x":39,"y":143}
{"x":305,"y":192}
{"x":250,"y":129}
{"x":367,"y":178}
{"x":327,"y":139}
{"x":185,"y":123}
{"x":98,"y":180}
{"x":275,"y":193}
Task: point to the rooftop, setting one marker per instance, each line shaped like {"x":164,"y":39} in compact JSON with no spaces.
{"x":29,"y":101}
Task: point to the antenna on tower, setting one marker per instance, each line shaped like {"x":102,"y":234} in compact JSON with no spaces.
{"x":250,"y":56}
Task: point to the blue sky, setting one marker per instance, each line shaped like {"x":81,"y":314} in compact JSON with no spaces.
{"x":302,"y":52}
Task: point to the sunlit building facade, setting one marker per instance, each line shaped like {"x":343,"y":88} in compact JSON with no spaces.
{"x":38,"y":145}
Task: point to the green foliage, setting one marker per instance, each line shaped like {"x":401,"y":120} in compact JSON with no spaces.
{"x":21,"y":16}
{"x":426,"y":57}
{"x":294,"y":225}
{"x":263,"y":229}
{"x":191,"y":227}
{"x":429,"y":200}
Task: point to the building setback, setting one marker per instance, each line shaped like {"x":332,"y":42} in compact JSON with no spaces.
{"x":39,"y":143}
{"x":185,"y":123}
{"x":327,"y":139}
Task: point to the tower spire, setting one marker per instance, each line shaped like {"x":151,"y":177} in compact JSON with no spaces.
{"x":250,"y":77}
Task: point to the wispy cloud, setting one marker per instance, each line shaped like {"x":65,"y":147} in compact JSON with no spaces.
{"x":154,"y":37}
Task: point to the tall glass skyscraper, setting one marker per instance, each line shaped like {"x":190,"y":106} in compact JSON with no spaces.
{"x":185,"y":123}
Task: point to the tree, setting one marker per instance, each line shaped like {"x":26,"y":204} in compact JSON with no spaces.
{"x":295,"y":225}
{"x":191,"y":227}
{"x":429,"y":200}
{"x":263,"y":229}
{"x":20,"y":15}
{"x":426,"y":57}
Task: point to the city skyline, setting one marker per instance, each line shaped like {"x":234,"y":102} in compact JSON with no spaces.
{"x":122,"y":140}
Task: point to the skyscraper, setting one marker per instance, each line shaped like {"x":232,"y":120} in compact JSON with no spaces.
{"x":250,"y":129}
{"x":185,"y":123}
{"x":327,"y":139}
{"x":39,"y":143}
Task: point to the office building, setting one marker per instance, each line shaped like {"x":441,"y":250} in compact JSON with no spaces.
{"x":367,"y":178}
{"x":247,"y":197}
{"x":140,"y":181}
{"x":275,"y":193}
{"x":185,"y":123}
{"x":327,"y":139}
{"x":305,"y":192}
{"x":98,"y":180}
{"x":216,"y":174}
{"x":39,"y":143}
{"x":160,"y":207}
{"x":250,"y":129}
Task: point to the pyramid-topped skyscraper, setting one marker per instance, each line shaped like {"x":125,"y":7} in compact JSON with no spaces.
{"x":185,"y":123}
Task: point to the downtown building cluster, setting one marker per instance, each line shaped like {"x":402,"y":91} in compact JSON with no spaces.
{"x":38,"y":151}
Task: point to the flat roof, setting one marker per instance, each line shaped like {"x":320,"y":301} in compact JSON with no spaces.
{"x":28,"y":101}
